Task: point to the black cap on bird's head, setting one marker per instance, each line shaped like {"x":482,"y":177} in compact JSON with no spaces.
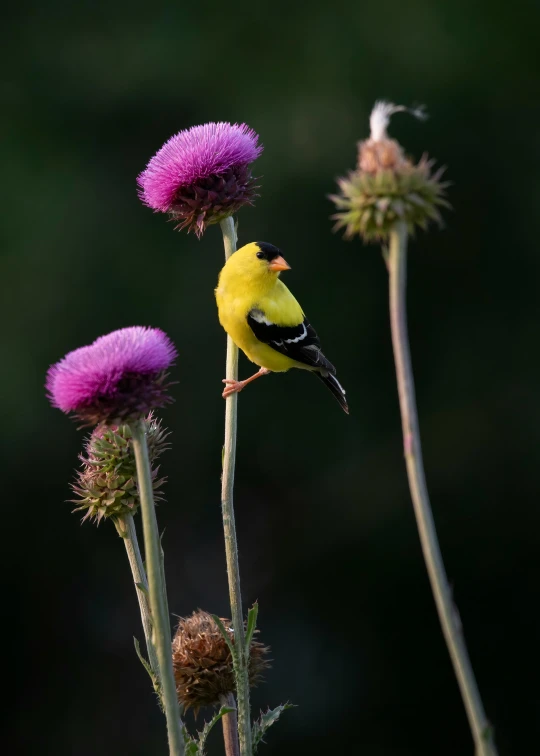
{"x":273,"y":256}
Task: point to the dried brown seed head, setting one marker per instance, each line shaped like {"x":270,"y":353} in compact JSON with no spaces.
{"x":202,"y":661}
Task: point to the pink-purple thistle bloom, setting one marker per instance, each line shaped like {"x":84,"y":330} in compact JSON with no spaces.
{"x":202,"y":175}
{"x":117,"y":379}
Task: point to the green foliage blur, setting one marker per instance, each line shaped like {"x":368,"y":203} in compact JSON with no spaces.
{"x":327,"y":535}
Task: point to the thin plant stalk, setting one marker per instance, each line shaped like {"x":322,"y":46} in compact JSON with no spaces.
{"x":126,"y":529}
{"x":161,"y":630}
{"x":448,"y":614}
{"x":240,"y":657}
{"x":229,"y":723}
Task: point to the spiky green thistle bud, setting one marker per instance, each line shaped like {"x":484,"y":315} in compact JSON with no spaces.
{"x":106,"y":486}
{"x":387,"y":186}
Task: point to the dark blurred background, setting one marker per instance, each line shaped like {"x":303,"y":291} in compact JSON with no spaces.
{"x":327,"y":535}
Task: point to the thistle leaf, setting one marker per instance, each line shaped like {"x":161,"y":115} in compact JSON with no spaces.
{"x":148,"y":668}
{"x":265,"y":721}
{"x":208,"y":726}
{"x":225,"y":634}
{"x":251,"y":625}
{"x":191,"y":746}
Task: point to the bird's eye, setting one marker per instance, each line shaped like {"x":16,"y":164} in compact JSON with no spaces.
{"x":260,"y":255}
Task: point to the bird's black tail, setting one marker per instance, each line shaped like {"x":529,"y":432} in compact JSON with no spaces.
{"x":331,"y":382}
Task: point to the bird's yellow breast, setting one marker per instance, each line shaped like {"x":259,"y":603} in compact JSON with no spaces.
{"x":235,"y":300}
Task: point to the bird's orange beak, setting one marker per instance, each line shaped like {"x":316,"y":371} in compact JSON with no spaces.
{"x":279,"y":263}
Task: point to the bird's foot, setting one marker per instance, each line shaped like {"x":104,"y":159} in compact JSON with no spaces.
{"x":232,"y":387}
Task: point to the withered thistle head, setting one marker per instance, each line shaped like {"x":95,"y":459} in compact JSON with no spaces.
{"x":387,"y":186}
{"x":117,"y":379}
{"x":202,"y":175}
{"x":202,"y":661}
{"x":106,"y":486}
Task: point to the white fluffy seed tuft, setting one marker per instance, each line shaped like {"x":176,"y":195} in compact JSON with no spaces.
{"x":381,"y":114}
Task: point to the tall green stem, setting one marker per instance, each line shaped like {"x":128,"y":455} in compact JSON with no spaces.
{"x":126,"y":528}
{"x":448,"y":614}
{"x":240,"y":657}
{"x":161,"y":630}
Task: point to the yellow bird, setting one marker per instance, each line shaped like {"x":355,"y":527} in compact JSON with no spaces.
{"x":266,"y":322}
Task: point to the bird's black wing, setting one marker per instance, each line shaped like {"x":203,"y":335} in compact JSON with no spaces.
{"x":299,"y":342}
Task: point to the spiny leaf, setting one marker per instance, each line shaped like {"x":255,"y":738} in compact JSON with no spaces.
{"x":251,"y":625}
{"x":225,"y":634}
{"x":208,"y":726}
{"x":191,"y":746}
{"x":265,"y":721}
{"x":148,"y":668}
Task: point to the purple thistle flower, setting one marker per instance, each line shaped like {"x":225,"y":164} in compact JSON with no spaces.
{"x":202,"y":175}
{"x":117,"y":379}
